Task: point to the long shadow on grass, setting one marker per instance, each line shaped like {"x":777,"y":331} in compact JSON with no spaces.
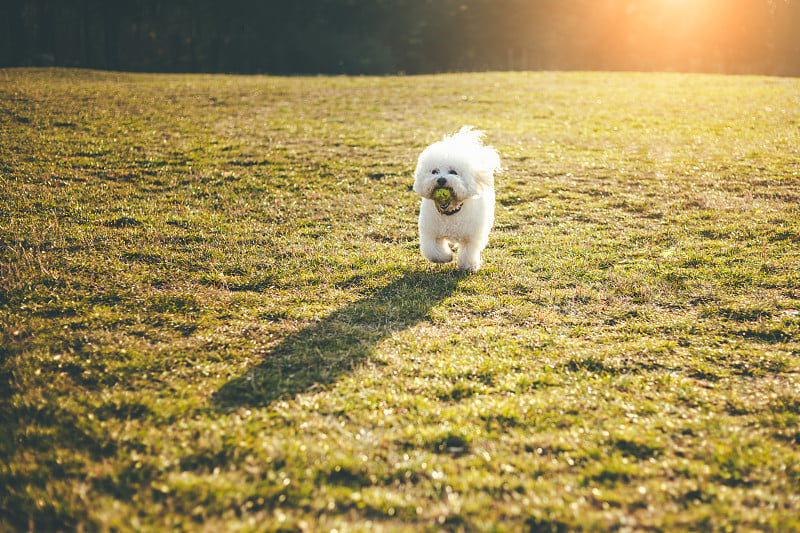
{"x":321,"y":353}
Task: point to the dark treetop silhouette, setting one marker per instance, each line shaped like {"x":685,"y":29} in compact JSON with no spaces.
{"x":412,"y":36}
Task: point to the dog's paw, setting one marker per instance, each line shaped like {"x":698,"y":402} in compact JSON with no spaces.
{"x":469,"y":265}
{"x":439,"y":257}
{"x":437,"y":252}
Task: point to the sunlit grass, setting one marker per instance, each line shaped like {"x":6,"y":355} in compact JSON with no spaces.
{"x":214,"y":314}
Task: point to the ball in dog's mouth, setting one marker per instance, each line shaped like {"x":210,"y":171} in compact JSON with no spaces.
{"x":443,"y":197}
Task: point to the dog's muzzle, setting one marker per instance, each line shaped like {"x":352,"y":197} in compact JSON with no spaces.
{"x":448,"y":212}
{"x":450,"y":209}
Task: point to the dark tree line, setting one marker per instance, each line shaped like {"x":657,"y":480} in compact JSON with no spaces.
{"x":412,"y":36}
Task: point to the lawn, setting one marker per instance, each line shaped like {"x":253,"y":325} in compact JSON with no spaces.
{"x":214,"y":315}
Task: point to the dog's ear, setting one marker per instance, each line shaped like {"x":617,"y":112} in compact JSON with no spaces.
{"x":418,"y":185}
{"x":484,"y":178}
{"x":488,"y":164}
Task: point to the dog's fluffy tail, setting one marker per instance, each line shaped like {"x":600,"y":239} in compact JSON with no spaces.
{"x":472,"y":140}
{"x":467,"y":135}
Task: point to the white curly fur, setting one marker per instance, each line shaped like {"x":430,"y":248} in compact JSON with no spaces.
{"x":462,"y":163}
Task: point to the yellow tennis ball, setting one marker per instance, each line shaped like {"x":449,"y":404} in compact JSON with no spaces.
{"x":442,"y":196}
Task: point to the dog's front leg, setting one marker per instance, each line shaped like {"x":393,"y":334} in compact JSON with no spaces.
{"x":436,"y":250}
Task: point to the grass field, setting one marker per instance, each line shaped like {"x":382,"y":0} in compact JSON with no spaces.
{"x":214,"y":315}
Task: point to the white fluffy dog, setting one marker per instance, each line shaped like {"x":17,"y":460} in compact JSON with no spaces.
{"x":455,"y":178}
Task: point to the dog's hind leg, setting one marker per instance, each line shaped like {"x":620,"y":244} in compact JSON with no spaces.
{"x":469,"y":256}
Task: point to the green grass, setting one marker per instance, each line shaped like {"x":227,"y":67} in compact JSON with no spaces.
{"x":214,"y":315}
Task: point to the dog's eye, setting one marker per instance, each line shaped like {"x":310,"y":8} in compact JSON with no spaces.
{"x":453,"y":172}
{"x":435,"y":171}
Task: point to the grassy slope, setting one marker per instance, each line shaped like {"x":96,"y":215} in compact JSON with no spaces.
{"x":213,"y":311}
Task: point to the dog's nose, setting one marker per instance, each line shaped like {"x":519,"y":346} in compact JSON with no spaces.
{"x":441,"y":182}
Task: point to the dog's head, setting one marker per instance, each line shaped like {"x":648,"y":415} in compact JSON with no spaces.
{"x":459,"y":162}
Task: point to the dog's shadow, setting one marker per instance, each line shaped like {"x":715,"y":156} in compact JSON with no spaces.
{"x":321,"y":353}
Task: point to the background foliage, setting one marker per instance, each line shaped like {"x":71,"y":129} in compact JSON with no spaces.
{"x":412,"y":36}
